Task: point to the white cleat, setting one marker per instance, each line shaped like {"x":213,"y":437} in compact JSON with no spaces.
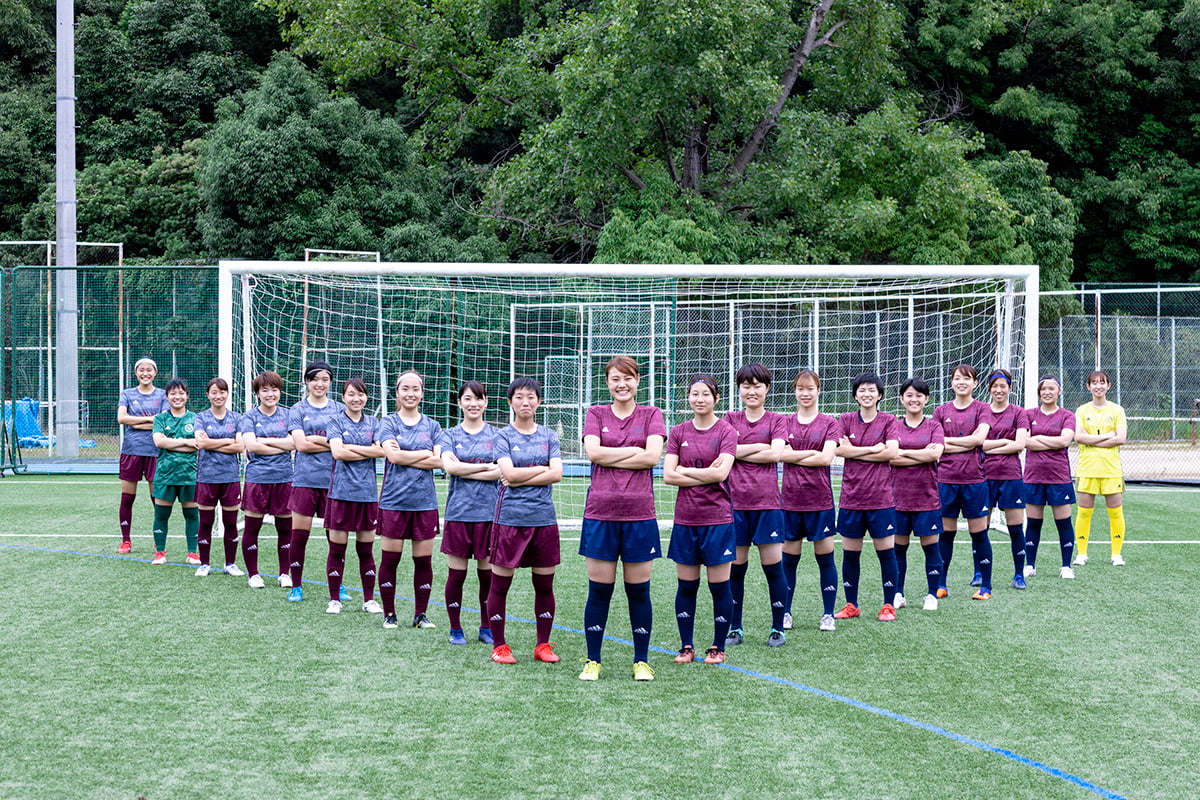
{"x":900,"y":602}
{"x":1080,"y":560}
{"x":1066,"y":573}
{"x":372,"y":607}
{"x":930,"y":603}
{"x":1117,"y":561}
{"x":787,"y":621}
{"x":232,"y":569}
{"x":256,"y":582}
{"x":285,"y":581}
{"x":334,"y":607}
{"x":203,"y":570}
{"x":1030,"y":571}
{"x":827,"y":623}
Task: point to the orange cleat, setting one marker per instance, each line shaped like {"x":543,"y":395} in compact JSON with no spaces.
{"x":545,"y":652}
{"x":849,"y":612}
{"x":887,"y":613}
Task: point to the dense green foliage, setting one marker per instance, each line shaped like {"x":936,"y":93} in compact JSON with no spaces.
{"x":841,"y":131}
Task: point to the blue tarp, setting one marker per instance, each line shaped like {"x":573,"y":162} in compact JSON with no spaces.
{"x":28,"y":432}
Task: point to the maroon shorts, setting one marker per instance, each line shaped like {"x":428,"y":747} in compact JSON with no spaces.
{"x":351,"y":516}
{"x":309,"y":502}
{"x":466,"y":539}
{"x":134,"y":468}
{"x":415,"y":525}
{"x":524,"y":547}
{"x":267,"y":498}
{"x":227,"y":494}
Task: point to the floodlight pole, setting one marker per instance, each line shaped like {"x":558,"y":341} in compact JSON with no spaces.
{"x":66,"y":373}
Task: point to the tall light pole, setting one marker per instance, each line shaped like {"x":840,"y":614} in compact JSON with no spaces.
{"x":66,"y":372}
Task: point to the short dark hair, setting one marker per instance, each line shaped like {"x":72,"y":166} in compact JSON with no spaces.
{"x":997,"y":374}
{"x":266,"y":380}
{"x":220,"y":383}
{"x":315,"y":367}
{"x":863,"y":378}
{"x":915,"y":383}
{"x":177,"y":383}
{"x":753,"y":372}
{"x":355,"y":383}
{"x":707,"y":380}
{"x":525,"y":383}
{"x":965,"y":369}
{"x":474,"y":387}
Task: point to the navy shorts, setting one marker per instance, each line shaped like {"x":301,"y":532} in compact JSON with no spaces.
{"x":854,"y":524}
{"x":709,"y":545}
{"x":309,"y":502}
{"x":968,"y":499}
{"x":1006,"y":494}
{"x":415,"y":525}
{"x":529,"y":546}
{"x":758,"y":527}
{"x":631,"y":541}
{"x":350,"y":516}
{"x":466,"y":539}
{"x":227,"y":494}
{"x":267,"y":498}
{"x":1049,"y":494}
{"x":811,"y":525}
{"x":919,"y":523}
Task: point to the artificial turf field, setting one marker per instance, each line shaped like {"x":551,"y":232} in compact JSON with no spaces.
{"x":121,"y":680}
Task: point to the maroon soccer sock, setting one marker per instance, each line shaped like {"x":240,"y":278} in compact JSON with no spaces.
{"x":250,"y":544}
{"x":485,"y":587}
{"x":455,"y":580}
{"x":422,"y":582}
{"x":299,"y":545}
{"x":125,"y":514}
{"x":366,"y":568}
{"x":497,"y":604}
{"x":387,"y":580}
{"x":204,"y":540}
{"x":335,"y":566}
{"x":283,"y":543}
{"x":229,"y":523}
{"x":543,"y":605}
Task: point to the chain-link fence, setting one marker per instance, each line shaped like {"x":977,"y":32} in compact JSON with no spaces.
{"x":1146,"y":337}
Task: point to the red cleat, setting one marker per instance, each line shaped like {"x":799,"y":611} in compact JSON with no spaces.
{"x":887,"y":613}
{"x":125,"y":547}
{"x":502,"y":654}
{"x":545,"y":652}
{"x":849,"y":612}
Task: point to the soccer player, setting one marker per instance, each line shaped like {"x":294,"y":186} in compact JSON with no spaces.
{"x":218,"y":474}
{"x":1048,"y":475}
{"x":700,"y":455}
{"x":352,"y":505}
{"x":1008,"y":428}
{"x":961,"y":480}
{"x":525,"y":531}
{"x":308,"y":422}
{"x":136,"y":409}
{"x":869,"y":441}
{"x":469,"y":458}
{"x":754,"y":487}
{"x":811,"y":439}
{"x":268,"y":487}
{"x":173,"y":432}
{"x":624,"y":442}
{"x":1100,"y":432}
{"x":915,"y":488}
{"x":408,"y":502}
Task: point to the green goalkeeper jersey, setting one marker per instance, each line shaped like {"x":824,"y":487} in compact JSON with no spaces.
{"x":175,"y":469}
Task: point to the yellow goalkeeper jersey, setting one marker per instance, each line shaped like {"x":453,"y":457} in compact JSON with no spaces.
{"x":1099,"y":462}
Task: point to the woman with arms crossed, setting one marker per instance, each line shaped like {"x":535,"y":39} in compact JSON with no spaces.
{"x":811,"y":438}
{"x":1048,"y":475}
{"x":961,"y":480}
{"x":268,"y":487}
{"x":525,"y":531}
{"x":469,"y":458}
{"x":136,"y":409}
{"x":352,"y":506}
{"x":1008,"y":428}
{"x":624,"y":442}
{"x":174,"y":435}
{"x":869,"y":442}
{"x":1100,"y":432}
{"x":308,"y":422}
{"x":915,"y":487}
{"x":754,"y":488}
{"x":218,"y":474}
{"x":408,"y":500}
{"x":700,"y":454}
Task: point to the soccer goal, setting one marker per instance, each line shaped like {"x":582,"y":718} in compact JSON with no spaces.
{"x":561,"y":323}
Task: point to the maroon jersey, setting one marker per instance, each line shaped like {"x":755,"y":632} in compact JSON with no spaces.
{"x":1048,"y":466}
{"x":961,"y":467}
{"x":808,"y":488}
{"x":755,"y":487}
{"x":708,"y":504}
{"x":915,"y":488}
{"x":867,"y":485}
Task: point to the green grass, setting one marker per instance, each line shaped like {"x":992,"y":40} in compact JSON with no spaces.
{"x":121,"y":680}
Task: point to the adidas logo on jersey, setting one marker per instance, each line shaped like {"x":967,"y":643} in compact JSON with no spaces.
{"x":685,"y":444}
{"x":604,"y":429}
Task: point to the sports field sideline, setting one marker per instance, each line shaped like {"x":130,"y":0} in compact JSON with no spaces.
{"x":120,"y":680}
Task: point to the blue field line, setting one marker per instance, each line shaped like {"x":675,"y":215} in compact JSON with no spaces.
{"x":1054,"y":772}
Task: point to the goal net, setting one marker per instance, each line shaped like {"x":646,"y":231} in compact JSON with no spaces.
{"x":560,"y":324}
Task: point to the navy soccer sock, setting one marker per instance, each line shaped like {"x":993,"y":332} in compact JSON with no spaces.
{"x":827,"y":567}
{"x":946,"y":548}
{"x":791,"y":562}
{"x":887,"y":569}
{"x":851,"y":567}
{"x":685,"y":609}
{"x":595,"y":616}
{"x":1033,"y":538}
{"x":933,"y":567}
{"x":641,"y":618}
{"x":737,"y":587}
{"x":1016,"y":535}
{"x":722,"y":598}
{"x":778,"y":589}
{"x":901,"y":566}
{"x":981,"y":549}
{"x":1066,"y":539}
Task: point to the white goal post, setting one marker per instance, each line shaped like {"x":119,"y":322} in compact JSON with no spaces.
{"x":560,"y":323}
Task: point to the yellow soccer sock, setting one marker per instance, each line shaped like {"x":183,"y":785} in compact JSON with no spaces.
{"x":1083,"y":528}
{"x":1116,"y":523}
